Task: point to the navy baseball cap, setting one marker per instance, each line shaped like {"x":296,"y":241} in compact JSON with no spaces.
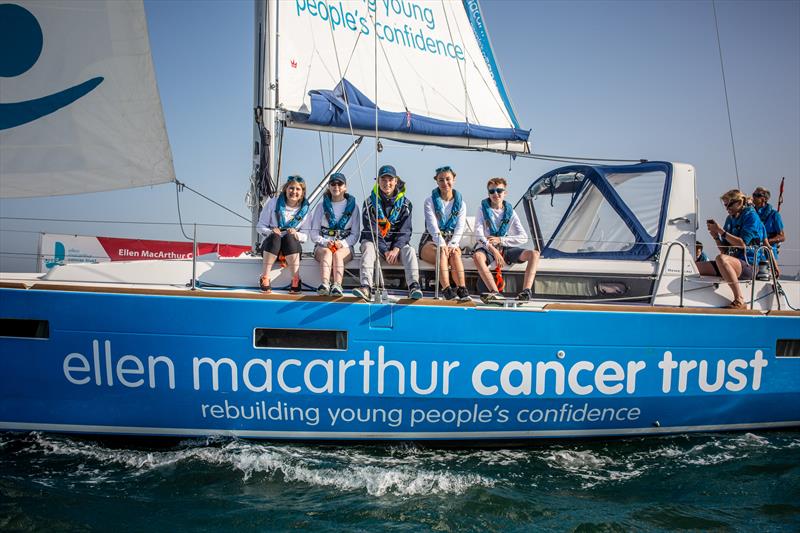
{"x":337,"y":176}
{"x":387,"y":170}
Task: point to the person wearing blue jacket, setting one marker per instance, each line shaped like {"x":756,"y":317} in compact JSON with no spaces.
{"x":738,"y":240}
{"x":770,"y":217}
{"x":386,"y":221}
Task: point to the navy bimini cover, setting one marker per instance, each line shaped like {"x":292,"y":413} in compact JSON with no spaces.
{"x":646,"y":245}
{"x":330,"y":109}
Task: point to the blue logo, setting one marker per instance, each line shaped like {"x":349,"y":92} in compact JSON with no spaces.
{"x":21,"y":32}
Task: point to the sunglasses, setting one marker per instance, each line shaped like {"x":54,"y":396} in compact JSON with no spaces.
{"x":298,"y":179}
{"x":336,"y":184}
{"x":759,"y":195}
{"x":498,"y":190}
{"x":446,"y":168}
{"x":732,"y":203}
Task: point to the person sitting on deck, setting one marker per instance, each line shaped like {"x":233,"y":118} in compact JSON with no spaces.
{"x":742,"y":233}
{"x":772,"y":220}
{"x":699,"y":254}
{"x":386,"y":221}
{"x":283,"y":221}
{"x":445,"y":220}
{"x":498,"y":232}
{"x":335,"y":229}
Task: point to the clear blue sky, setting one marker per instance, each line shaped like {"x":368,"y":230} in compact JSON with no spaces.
{"x":603,"y":79}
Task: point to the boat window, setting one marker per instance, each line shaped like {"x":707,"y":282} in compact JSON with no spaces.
{"x":787,"y":348}
{"x":643,"y":194}
{"x":592,"y":225}
{"x":300,"y":339}
{"x":24,"y":328}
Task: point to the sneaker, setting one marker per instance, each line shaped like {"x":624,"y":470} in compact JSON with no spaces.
{"x":448,"y":293}
{"x":296,"y":287}
{"x":463,"y":294}
{"x":414,"y":291}
{"x":363,"y":292}
{"x":524,"y":296}
{"x":491,"y":297}
{"x":336,"y":290}
{"x":323,"y":289}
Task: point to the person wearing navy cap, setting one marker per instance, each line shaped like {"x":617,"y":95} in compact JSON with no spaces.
{"x":386,"y":221}
{"x":335,"y":229}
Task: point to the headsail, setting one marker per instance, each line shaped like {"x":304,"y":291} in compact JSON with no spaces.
{"x":423,"y":70}
{"x":79,"y":107}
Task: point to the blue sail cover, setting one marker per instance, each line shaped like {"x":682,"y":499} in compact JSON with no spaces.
{"x":645,"y":245}
{"x":329,"y":108}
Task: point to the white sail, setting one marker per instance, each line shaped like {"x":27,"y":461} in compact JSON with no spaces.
{"x":79,"y":106}
{"x":426,"y":64}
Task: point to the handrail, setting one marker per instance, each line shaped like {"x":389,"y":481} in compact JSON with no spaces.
{"x":664,"y":266}
{"x":773,"y":266}
{"x":438,"y":259}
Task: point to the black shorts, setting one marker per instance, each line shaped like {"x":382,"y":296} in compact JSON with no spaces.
{"x":747,"y":270}
{"x":511,"y":254}
{"x":276,"y":244}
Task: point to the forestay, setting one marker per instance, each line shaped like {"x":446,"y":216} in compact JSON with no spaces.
{"x":79,"y":107}
{"x":424,"y":70}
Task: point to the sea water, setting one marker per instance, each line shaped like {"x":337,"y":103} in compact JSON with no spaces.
{"x":712,"y":482}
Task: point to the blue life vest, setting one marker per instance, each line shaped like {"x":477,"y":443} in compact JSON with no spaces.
{"x":336,"y":228}
{"x":508,"y":214}
{"x":295,"y":221}
{"x":446,"y":226}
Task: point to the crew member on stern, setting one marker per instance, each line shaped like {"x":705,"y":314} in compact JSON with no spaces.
{"x":771,"y":218}
{"x":386,"y":220}
{"x":498,"y":232}
{"x":445,"y":220}
{"x":737,"y":240}
{"x":335,"y":229}
{"x":283,"y":222}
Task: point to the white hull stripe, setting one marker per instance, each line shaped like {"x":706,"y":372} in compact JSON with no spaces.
{"x":358,"y":435}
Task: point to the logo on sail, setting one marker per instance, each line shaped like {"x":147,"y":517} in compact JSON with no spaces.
{"x":21,"y":32}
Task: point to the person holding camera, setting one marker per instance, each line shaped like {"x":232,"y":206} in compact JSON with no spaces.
{"x":737,"y":240}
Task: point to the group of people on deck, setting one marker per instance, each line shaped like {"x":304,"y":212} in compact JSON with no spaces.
{"x":751,"y":223}
{"x":383,"y":228}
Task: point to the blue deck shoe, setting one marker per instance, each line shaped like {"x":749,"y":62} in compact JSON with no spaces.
{"x":414,"y":291}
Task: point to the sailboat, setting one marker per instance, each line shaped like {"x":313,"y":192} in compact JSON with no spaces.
{"x":608,"y":348}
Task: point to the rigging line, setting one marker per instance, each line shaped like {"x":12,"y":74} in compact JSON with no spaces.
{"x":322,"y":154}
{"x":389,"y":66}
{"x":725,"y":86}
{"x":350,"y":119}
{"x":231,"y":211}
{"x":467,"y":102}
{"x":134,"y":222}
{"x":178,"y":187}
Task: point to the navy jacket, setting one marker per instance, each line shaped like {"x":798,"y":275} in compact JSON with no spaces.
{"x":399,"y":234}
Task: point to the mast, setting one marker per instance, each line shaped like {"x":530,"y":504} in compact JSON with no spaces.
{"x":266,"y":126}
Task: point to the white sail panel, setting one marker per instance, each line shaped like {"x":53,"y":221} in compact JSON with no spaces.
{"x":79,"y":106}
{"x":421,"y":61}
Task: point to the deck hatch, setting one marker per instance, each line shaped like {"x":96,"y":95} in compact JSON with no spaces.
{"x":300,"y":339}
{"x":24,"y":328}
{"x":787,"y":348}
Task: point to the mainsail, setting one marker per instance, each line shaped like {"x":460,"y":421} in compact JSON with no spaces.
{"x":416,"y":70}
{"x":79,"y":106}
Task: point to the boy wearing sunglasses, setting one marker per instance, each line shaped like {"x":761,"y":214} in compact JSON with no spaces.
{"x":499,"y":233}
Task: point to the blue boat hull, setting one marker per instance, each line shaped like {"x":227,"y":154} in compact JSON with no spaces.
{"x":154,"y":364}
